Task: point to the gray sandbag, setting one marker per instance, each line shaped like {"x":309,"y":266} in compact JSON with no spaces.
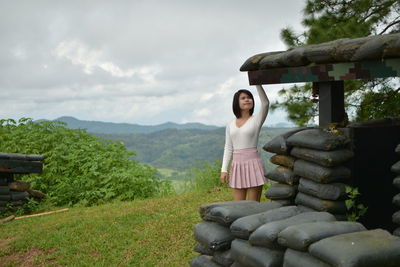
{"x":205,"y":209}
{"x":293,"y":258}
{"x":396,"y":200}
{"x":318,"y":139}
{"x":396,"y":167}
{"x":282,"y":175}
{"x":341,"y":217}
{"x":396,"y":232}
{"x":374,"y":48}
{"x":5,"y":197}
{"x":364,"y":249}
{"x":305,"y":208}
{"x":237,"y":264}
{"x":295,"y":57}
{"x":271,"y":61}
{"x":283,"y":202}
{"x":202,"y":249}
{"x":4,"y":190}
{"x":283,"y":160}
{"x":396,"y":217}
{"x":228,"y":214}
{"x":345,"y":51}
{"x":396,"y":182}
{"x":19,"y":195}
{"x":332,"y":206}
{"x":397,"y":150}
{"x":319,"y":173}
{"x":392,"y":49}
{"x":243,"y":227}
{"x":223,"y":258}
{"x":299,"y":237}
{"x":253,"y":62}
{"x":281,"y":191}
{"x":332,"y":191}
{"x":213,"y":236}
{"x":323,"y":158}
{"x":251,"y":256}
{"x":203,"y":261}
{"x":266,"y":235}
{"x":321,"y":53}
{"x":278,"y":144}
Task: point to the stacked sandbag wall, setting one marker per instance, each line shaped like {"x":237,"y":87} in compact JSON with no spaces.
{"x":287,"y":236}
{"x":283,"y":180}
{"x":213,"y":235}
{"x":396,"y":199}
{"x":13,"y":193}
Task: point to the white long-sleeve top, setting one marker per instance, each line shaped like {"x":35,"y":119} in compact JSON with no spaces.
{"x":247,"y":135}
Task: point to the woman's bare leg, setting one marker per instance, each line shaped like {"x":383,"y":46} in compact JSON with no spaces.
{"x":255,"y":193}
{"x":239,"y":193}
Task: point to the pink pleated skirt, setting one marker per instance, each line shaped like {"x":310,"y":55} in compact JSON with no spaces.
{"x":247,"y":169}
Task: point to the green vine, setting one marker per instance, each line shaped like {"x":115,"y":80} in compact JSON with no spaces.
{"x":355,"y":209}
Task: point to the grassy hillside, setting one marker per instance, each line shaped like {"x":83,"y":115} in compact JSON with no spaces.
{"x":154,"y":232}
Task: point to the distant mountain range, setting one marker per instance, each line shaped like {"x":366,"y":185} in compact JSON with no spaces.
{"x":127,"y":128}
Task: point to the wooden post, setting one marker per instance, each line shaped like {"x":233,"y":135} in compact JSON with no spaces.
{"x":331,"y":102}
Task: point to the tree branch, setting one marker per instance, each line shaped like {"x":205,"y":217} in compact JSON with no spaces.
{"x":388,"y":26}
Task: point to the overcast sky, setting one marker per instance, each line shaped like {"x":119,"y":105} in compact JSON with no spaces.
{"x":136,"y":61}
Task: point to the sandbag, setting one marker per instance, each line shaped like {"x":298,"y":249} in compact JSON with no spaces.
{"x":396,"y":200}
{"x":5,"y":197}
{"x":396,"y":232}
{"x":282,"y":175}
{"x":392,"y":49}
{"x":281,"y":191}
{"x":271,"y":61}
{"x":203,"y":261}
{"x":332,"y":191}
{"x":202,"y":249}
{"x":4,"y":190}
{"x":299,"y":237}
{"x":318,"y":139}
{"x":321,"y":53}
{"x":266,"y":235}
{"x":19,"y":186}
{"x":19,"y":195}
{"x":237,"y":264}
{"x":3,"y":181}
{"x":323,"y":158}
{"x":396,"y":167}
{"x":397,"y":150}
{"x":205,"y":209}
{"x":227,"y":214}
{"x":36,"y":193}
{"x":248,"y":255}
{"x":282,"y":160}
{"x":341,"y":217}
{"x":332,"y":206}
{"x":345,"y":51}
{"x":396,"y":217}
{"x":374,"y":48}
{"x":319,"y":173}
{"x":293,"y":258}
{"x":295,"y":57}
{"x":305,"y":208}
{"x":278,"y":144}
{"x":253,"y":62}
{"x":396,"y":182}
{"x":367,"y":248}
{"x":283,"y":202}
{"x":243,"y":227}
{"x":223,"y":258}
{"x":213,"y":236}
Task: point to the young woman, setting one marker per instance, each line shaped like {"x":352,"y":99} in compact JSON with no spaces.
{"x":247,"y":169}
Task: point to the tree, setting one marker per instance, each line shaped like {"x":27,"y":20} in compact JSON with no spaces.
{"x":327,"y":20}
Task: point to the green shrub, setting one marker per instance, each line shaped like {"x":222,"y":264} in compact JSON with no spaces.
{"x":204,"y":175}
{"x":78,"y":167}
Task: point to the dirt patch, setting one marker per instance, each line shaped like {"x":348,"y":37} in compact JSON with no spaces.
{"x":4,"y":243}
{"x":26,"y":259}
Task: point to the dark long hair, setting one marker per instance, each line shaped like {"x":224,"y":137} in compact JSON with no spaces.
{"x":235,"y":103}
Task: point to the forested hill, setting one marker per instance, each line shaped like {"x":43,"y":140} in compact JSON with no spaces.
{"x":180,"y":149}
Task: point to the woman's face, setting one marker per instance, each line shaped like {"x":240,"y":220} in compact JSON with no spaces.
{"x":245,"y":101}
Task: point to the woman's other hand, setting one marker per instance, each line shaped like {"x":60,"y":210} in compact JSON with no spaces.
{"x":224,"y":178}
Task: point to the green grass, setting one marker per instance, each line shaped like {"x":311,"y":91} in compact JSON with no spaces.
{"x":153,"y":232}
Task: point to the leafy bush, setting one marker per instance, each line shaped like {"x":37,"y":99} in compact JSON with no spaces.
{"x":80,"y":168}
